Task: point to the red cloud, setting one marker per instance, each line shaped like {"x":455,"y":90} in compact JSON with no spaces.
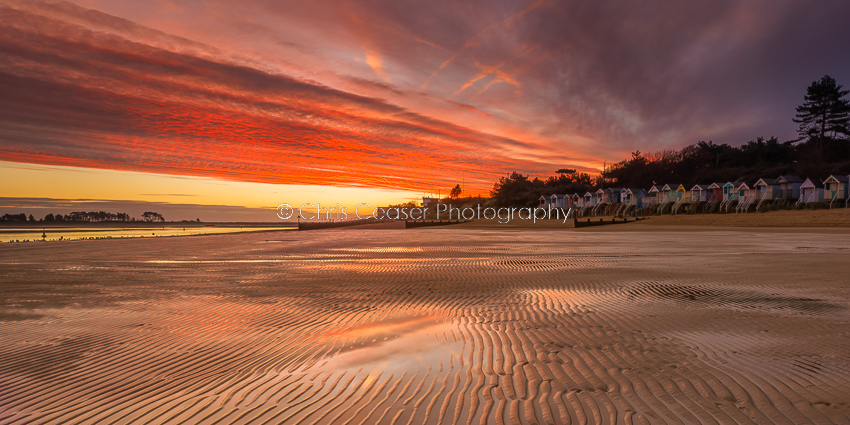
{"x":78,"y":95}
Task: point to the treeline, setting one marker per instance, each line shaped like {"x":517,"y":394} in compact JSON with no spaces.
{"x":706,"y":162}
{"x":822,"y":149}
{"x":520,"y":190}
{"x":84,"y":217}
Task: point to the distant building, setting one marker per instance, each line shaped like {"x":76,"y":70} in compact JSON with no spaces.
{"x":430,"y":202}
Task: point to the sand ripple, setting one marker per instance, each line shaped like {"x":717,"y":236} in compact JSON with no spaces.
{"x":425,"y":327}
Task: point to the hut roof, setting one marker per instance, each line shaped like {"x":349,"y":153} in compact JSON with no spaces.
{"x":789,"y":179}
{"x":809,"y":183}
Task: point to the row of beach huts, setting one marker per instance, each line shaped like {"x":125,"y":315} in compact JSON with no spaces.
{"x":738,"y":197}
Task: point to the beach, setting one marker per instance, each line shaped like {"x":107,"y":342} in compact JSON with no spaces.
{"x":823,"y":220}
{"x":466,"y":324}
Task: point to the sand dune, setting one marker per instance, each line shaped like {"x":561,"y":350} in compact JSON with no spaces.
{"x":454,"y":325}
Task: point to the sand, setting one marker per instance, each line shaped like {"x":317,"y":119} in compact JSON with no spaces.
{"x":837,"y":219}
{"x":438,"y":325}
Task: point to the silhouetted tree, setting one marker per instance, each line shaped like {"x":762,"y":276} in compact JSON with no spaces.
{"x":516,"y":190}
{"x":824,"y":114}
{"x":456,"y":191}
{"x":152,"y":216}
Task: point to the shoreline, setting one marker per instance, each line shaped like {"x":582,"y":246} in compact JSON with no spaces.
{"x":75,"y":234}
{"x":784,"y":221}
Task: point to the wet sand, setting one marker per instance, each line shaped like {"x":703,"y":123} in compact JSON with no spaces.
{"x":69,"y":233}
{"x":439,"y":325}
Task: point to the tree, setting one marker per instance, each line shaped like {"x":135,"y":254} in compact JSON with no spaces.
{"x":152,"y":216}
{"x":456,"y":191}
{"x":824,"y":112}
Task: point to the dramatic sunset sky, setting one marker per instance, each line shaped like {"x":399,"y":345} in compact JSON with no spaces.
{"x":247,"y":104}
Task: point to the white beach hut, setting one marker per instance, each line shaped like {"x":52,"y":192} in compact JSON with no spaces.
{"x":667,"y":197}
{"x":746,"y":198}
{"x":654,"y":196}
{"x":767,"y":190}
{"x":588,"y":202}
{"x":699,"y":193}
{"x":811,"y":191}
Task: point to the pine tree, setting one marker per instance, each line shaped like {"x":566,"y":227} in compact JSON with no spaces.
{"x":824,"y":112}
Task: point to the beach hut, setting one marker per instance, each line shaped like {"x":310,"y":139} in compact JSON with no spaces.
{"x":599,"y":201}
{"x":836,"y":189}
{"x":579,"y":200}
{"x":589,"y":201}
{"x":683,"y":197}
{"x":600,"y":196}
{"x":612,"y":195}
{"x":667,"y":197}
{"x":575,"y":200}
{"x":671,"y":191}
{"x":789,"y":188}
{"x":653,"y":196}
{"x":811,"y":191}
{"x":767,"y":190}
{"x":559,"y":200}
{"x":746,"y":198}
{"x":730,"y":195}
{"x":625,"y":202}
{"x":715,"y":196}
{"x":611,"y":198}
{"x":633,"y":199}
{"x":553,"y":201}
{"x":699,"y":194}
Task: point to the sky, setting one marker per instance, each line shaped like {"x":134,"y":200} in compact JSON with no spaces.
{"x":253,"y":103}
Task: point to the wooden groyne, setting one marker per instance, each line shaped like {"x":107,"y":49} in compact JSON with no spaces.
{"x":410,"y":224}
{"x":589,"y":222}
{"x":376,"y":224}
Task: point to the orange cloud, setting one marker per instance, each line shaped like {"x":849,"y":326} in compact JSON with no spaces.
{"x":75,"y":96}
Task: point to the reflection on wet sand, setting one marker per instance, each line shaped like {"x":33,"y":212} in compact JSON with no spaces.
{"x":436,"y":326}
{"x":71,"y":233}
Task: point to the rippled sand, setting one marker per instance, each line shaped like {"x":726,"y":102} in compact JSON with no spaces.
{"x":430,"y":326}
